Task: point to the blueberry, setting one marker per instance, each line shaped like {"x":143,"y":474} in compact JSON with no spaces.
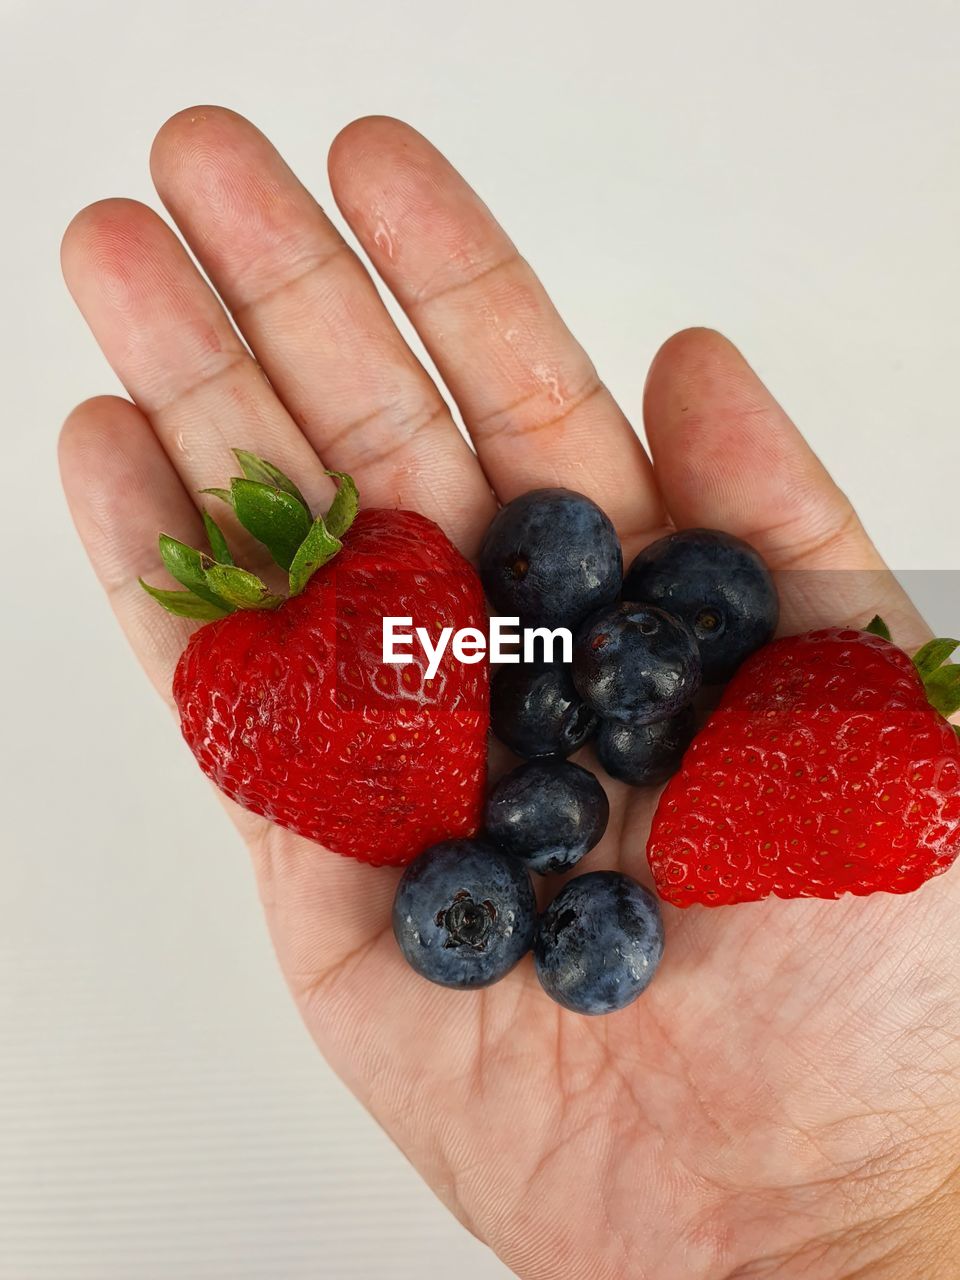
{"x":599,"y":942}
{"x":547,"y":813}
{"x":645,"y":754}
{"x":550,"y":557}
{"x":633,"y":662}
{"x":718,"y":585}
{"x":536,"y":711}
{"x":464,"y":913}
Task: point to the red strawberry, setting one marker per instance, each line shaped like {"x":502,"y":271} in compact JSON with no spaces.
{"x":826,"y":769}
{"x":287,"y":704}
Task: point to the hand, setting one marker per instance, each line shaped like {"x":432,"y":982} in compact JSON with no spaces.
{"x":785,"y":1099}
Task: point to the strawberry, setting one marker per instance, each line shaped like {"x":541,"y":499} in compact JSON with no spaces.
{"x":827,"y":768}
{"x":287,"y":704}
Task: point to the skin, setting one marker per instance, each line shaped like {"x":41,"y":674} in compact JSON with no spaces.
{"x":784,"y":1100}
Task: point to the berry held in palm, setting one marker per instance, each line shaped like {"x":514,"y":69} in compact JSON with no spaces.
{"x":637,"y":663}
{"x":547,"y":813}
{"x":599,"y":943}
{"x":285,"y":702}
{"x":550,"y":557}
{"x":464,"y":913}
{"x":536,"y":711}
{"x":644,"y":755}
{"x":717,"y":585}
{"x":828,"y":768}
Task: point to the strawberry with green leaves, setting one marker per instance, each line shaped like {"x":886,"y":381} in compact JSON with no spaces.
{"x":829,"y":767}
{"x":286,"y":702}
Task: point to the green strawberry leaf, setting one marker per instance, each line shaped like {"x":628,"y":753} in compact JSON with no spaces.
{"x":218,"y":543}
{"x":343,"y":509}
{"x":275,"y":518}
{"x":877,"y":627}
{"x":943,"y":689}
{"x":258,"y":469}
{"x":187,"y":566}
{"x":225,"y":494}
{"x":241,"y":589}
{"x":185,"y":604}
{"x":317,"y":548}
{"x":932,"y":656}
{"x":269,"y":506}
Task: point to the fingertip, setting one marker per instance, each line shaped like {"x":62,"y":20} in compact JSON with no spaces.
{"x":693,"y":363}
{"x":729,"y":457}
{"x":102,"y":448}
{"x":190,"y":126}
{"x":91,"y":420}
{"x":235,"y":199}
{"x":122,"y":490}
{"x":407,"y":204}
{"x":369,"y":136}
{"x":81,"y":227}
{"x":205,"y":154}
{"x":700,"y":408}
{"x":383,"y":166}
{"x":106,"y":237}
{"x":103,"y":215}
{"x":696,"y":343}
{"x":120,"y":486}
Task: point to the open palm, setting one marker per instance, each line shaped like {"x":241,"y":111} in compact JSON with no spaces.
{"x":785,"y":1099}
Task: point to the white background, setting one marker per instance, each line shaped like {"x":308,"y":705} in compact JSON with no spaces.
{"x":786,"y":172}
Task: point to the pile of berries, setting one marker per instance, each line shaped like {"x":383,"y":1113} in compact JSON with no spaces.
{"x":691,"y":608}
{"x":829,"y":766}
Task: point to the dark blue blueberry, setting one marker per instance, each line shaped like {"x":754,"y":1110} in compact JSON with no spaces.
{"x":645,"y":754}
{"x":535,"y":710}
{"x":599,"y":942}
{"x":550,"y":557}
{"x":718,"y":585}
{"x":547,"y":813}
{"x":464,"y":913}
{"x":633,"y":662}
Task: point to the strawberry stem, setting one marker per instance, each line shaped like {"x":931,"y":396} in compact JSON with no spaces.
{"x":241,"y":590}
{"x":218,"y":543}
{"x":941,"y":679}
{"x":933,"y":655}
{"x":258,"y":469}
{"x":877,"y":627}
{"x":273,"y":516}
{"x":343,"y":508}
{"x":187,"y":566}
{"x":184,"y":604}
{"x":271,"y":507}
